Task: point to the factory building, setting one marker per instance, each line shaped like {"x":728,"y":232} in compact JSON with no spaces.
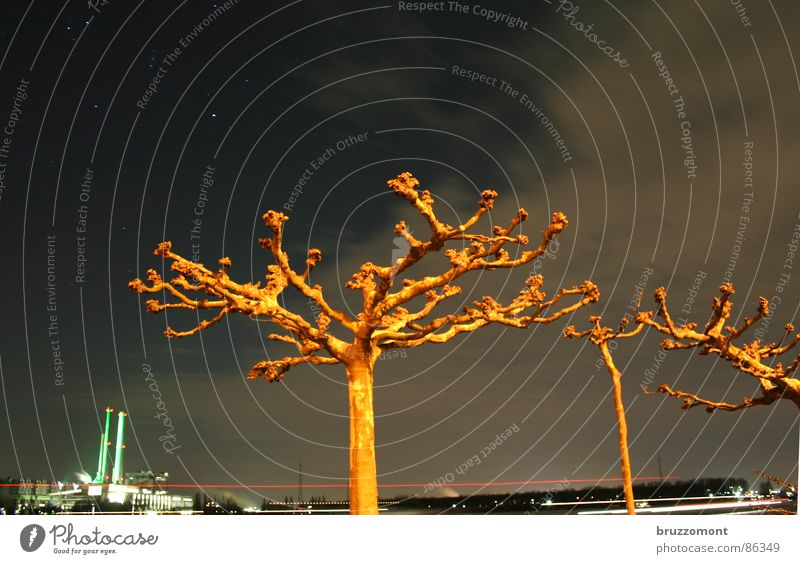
{"x":142,"y":491}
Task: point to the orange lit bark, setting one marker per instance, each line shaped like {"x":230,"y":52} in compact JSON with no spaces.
{"x":363,"y":475}
{"x":622,"y":426}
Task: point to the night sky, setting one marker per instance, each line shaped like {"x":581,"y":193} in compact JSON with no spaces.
{"x":127,"y":124}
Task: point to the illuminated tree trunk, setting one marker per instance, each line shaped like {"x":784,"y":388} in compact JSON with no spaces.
{"x":622,"y":426}
{"x":363,"y":475}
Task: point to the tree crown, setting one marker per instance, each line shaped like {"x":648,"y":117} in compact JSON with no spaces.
{"x":385,"y":321}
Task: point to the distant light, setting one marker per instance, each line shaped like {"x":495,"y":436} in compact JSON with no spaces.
{"x":117,"y":497}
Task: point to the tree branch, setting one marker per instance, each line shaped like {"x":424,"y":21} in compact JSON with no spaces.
{"x":375,"y":282}
{"x":749,"y":358}
{"x":275,"y":220}
{"x":691,"y":400}
{"x":487,"y":311}
{"x":204,"y":324}
{"x":473,"y":258}
{"x":274,"y":370}
{"x":254,"y":300}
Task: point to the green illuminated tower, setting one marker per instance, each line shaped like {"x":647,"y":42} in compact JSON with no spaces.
{"x":115,"y":477}
{"x":102,"y":459}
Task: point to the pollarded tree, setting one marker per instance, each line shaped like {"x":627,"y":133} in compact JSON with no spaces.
{"x":387,"y":319}
{"x":756,"y":359}
{"x":601,"y":336}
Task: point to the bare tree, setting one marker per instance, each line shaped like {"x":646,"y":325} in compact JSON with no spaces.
{"x":384,"y":321}
{"x":754,"y":358}
{"x":601,"y":336}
